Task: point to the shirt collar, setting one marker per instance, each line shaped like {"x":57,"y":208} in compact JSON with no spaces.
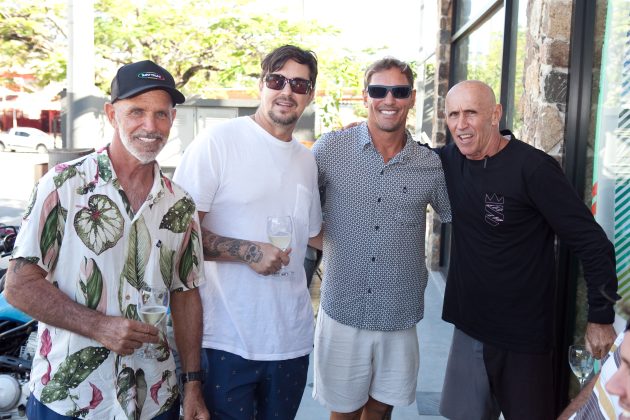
{"x":365,"y":140}
{"x":107,"y":174}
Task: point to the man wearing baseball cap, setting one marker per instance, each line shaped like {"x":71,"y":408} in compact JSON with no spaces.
{"x":99,"y":230}
{"x":136,"y":78}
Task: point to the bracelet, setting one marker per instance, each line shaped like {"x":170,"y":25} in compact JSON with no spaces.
{"x":191,"y":376}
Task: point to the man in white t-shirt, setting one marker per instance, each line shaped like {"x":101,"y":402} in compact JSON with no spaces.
{"x":258,"y":319}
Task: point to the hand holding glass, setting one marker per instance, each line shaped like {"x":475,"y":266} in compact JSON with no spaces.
{"x":279,"y":229}
{"x":581,"y":362}
{"x":152,"y":306}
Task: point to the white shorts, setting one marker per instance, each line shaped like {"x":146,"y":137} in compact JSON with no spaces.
{"x":351,"y":365}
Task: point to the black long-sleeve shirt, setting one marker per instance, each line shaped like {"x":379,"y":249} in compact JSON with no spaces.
{"x":506,"y":210}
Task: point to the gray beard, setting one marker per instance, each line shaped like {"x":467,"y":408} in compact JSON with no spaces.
{"x":143,"y":157}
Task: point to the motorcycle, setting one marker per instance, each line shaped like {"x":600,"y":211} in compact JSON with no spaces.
{"x":18,"y":344}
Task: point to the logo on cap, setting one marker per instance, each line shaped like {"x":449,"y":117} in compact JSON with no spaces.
{"x":150,"y":75}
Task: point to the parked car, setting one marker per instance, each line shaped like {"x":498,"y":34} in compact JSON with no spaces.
{"x":27,"y":139}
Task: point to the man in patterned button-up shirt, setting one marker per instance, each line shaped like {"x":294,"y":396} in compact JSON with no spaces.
{"x":97,"y":230}
{"x":378,"y":182}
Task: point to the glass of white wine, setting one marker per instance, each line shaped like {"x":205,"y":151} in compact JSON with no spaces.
{"x":152,"y":307}
{"x":581,"y":362}
{"x":279,"y":230}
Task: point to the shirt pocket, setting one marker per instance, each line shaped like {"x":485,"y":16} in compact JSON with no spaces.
{"x":409,"y":205}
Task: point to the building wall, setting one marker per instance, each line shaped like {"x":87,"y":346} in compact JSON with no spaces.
{"x":546,"y":74}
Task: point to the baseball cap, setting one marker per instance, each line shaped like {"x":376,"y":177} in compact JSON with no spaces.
{"x":136,"y":78}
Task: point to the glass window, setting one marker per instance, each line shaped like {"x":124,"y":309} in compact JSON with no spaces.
{"x":479,"y":55}
{"x":426,"y":88}
{"x":519,"y":83}
{"x":465,"y":10}
{"x":611,"y":174}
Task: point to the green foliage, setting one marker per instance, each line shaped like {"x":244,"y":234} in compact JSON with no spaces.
{"x":32,"y":32}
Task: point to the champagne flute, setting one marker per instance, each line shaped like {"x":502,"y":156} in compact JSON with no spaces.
{"x":581,"y":362}
{"x":152,"y":306}
{"x":279,"y":229}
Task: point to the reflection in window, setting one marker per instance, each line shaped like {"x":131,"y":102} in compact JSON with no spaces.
{"x":519,"y":83}
{"x":465,"y":10}
{"x":428,"y":103}
{"x":478,"y":55}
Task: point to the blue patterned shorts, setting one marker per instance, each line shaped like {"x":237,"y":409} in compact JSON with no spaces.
{"x":241,"y":389}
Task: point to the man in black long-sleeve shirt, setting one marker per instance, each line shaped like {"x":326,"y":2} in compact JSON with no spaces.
{"x":509,"y":200}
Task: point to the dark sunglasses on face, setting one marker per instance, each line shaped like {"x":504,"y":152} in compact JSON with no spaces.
{"x":380,"y":91}
{"x":278,"y":81}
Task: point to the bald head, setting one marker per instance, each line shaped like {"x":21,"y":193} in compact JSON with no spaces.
{"x":472,"y":116}
{"x":481,"y":90}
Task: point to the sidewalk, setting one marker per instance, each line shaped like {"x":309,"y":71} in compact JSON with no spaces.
{"x":434,"y":337}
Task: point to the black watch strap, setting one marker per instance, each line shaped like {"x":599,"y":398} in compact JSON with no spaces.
{"x":192,"y":376}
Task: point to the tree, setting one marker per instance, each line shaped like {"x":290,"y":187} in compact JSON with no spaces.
{"x":205,"y":45}
{"x":32,"y":33}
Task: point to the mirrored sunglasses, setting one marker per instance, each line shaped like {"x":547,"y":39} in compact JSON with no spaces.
{"x":278,"y":81}
{"x":380,"y":91}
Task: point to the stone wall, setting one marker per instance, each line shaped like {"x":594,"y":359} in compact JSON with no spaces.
{"x":546,"y":74}
{"x":442,"y":57}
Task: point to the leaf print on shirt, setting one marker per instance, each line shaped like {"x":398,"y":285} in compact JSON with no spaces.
{"x":100,"y":224}
{"x":178,"y":216}
{"x":167,"y":183}
{"x":91,"y":285}
{"x":44,"y":350}
{"x":52,"y":221}
{"x":104,"y":167}
{"x":131,"y":391}
{"x":97,"y":398}
{"x":138,"y":253}
{"x":155,"y":388}
{"x":31,"y":202}
{"x":162,"y":348}
{"x":189,"y":258}
{"x":65,"y":172}
{"x":126,"y":203}
{"x":72,"y":371}
{"x":173,"y":392}
{"x":125,"y":391}
{"x":141,"y":390}
{"x":167,"y":259}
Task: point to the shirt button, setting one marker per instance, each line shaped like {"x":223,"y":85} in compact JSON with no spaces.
{"x":376,"y":227}
{"x":382,"y":172}
{"x":369,"y":290}
{"x":379,"y":200}
{"x":373,"y":259}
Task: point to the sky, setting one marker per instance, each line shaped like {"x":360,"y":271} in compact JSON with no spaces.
{"x":364,"y":23}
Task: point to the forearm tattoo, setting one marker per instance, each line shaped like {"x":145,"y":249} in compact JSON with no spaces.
{"x":217,"y":247}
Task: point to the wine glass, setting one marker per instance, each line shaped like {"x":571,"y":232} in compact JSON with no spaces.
{"x":279,"y":230}
{"x":152,"y":306}
{"x":581,"y":362}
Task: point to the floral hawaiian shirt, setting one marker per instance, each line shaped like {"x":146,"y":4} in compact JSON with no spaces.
{"x":81,"y":229}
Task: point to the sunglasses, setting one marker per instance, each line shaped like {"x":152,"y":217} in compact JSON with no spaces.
{"x":380,"y":91}
{"x":278,"y":81}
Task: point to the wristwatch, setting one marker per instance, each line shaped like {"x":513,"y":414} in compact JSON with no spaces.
{"x":191,"y":376}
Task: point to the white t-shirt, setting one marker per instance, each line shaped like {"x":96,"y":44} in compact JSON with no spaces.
{"x":239,"y":174}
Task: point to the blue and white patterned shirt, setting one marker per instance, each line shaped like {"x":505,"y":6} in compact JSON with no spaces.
{"x":374,"y":230}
